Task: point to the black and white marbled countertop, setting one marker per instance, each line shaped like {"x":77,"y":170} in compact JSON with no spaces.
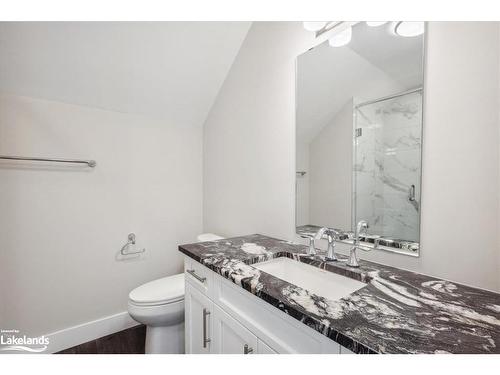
{"x":396,"y":312}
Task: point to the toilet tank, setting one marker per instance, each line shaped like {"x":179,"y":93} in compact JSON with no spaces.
{"x":208,"y":237}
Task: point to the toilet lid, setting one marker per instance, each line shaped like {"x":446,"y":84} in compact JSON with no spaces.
{"x":161,"y":291}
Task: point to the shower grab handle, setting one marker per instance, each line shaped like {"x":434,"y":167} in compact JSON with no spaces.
{"x":411,"y":193}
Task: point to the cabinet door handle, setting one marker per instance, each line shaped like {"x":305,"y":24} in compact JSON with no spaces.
{"x":199,"y":278}
{"x":206,"y":340}
{"x":247,"y":349}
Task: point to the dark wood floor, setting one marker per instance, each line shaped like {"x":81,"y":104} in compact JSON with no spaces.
{"x":129,"y":341}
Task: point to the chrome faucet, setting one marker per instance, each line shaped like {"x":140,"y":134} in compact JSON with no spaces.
{"x":353,"y":257}
{"x":331,"y":235}
{"x":312,"y":249}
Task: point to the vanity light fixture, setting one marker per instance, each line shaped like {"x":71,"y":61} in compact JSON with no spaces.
{"x":375,"y":23}
{"x":409,"y":28}
{"x":314,"y":25}
{"x":342,"y":38}
{"x":339,"y":33}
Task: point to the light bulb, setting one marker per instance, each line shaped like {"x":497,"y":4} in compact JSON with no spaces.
{"x":408,"y":28}
{"x":314,"y":25}
{"x":375,"y":23}
{"x":342,"y":38}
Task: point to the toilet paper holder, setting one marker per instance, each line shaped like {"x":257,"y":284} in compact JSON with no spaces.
{"x":130,"y":241}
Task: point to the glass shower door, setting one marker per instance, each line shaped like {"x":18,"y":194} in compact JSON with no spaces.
{"x":386,"y":172}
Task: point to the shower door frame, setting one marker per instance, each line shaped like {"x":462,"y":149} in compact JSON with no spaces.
{"x":355,"y":107}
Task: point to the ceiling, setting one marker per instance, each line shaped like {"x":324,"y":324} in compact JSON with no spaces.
{"x":171,"y":70}
{"x":374,"y":64}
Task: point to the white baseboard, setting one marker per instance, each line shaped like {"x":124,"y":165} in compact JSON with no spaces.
{"x":76,"y":335}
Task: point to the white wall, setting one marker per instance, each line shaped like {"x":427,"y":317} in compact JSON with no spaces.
{"x":460,"y":190}
{"x":302,"y":184}
{"x":61,"y":227}
{"x":249,"y":148}
{"x":249,"y":143}
{"x":137,"y":95}
{"x":330,"y":180}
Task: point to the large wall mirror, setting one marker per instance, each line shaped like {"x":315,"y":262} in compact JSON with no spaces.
{"x":359,"y":137}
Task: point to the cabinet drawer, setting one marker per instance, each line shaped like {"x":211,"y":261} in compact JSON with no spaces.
{"x":199,"y":276}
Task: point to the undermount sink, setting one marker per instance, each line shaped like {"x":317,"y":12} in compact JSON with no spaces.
{"x":315,"y":280}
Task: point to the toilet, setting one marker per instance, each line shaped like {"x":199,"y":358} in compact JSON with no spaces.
{"x":208,"y":237}
{"x":159,"y":305}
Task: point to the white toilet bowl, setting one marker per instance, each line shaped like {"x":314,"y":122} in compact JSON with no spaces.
{"x":159,"y":305}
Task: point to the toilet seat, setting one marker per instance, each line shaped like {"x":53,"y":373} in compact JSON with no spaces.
{"x":164,"y":315}
{"x":163,"y":291}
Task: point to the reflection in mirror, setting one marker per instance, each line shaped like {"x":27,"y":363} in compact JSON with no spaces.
{"x":359,"y":137}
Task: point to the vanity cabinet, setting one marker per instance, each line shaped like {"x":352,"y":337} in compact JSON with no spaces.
{"x":209,"y":329}
{"x":223,"y":318}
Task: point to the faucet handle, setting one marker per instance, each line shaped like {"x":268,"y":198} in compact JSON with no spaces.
{"x":312,"y":248}
{"x":362,"y":226}
{"x":320,"y":233}
{"x":353,"y":260}
{"x":330,"y":232}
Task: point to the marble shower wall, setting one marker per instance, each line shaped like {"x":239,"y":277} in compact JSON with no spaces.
{"x":387,"y":163}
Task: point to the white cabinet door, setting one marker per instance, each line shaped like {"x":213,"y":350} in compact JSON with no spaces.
{"x":230,"y":337}
{"x":263,"y":348}
{"x":344,"y":350}
{"x":198,"y":321}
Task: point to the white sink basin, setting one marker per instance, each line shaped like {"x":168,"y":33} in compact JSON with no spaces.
{"x":320,"y":282}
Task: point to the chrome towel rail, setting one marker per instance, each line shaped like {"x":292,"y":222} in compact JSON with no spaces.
{"x":90,"y":163}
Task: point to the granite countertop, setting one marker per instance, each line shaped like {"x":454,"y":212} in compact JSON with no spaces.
{"x":396,"y":312}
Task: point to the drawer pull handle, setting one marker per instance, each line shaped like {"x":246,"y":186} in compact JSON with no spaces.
{"x":247,"y":349}
{"x":206,"y":340}
{"x":199,"y":278}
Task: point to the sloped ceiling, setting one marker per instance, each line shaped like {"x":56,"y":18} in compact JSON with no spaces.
{"x":171,"y":70}
{"x":374,"y":64}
